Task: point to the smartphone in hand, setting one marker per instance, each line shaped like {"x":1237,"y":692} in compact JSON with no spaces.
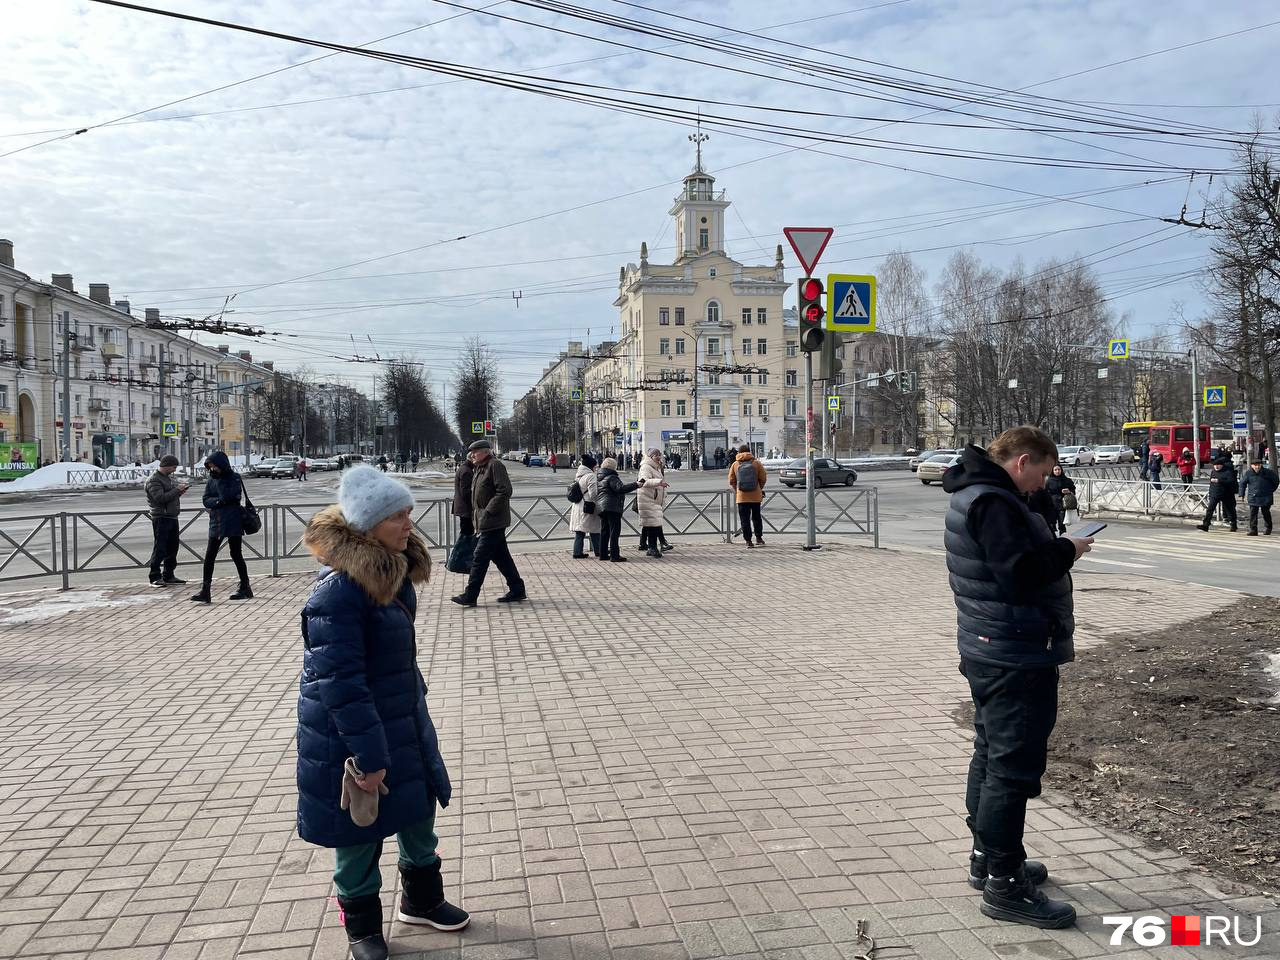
{"x":1089,"y":530}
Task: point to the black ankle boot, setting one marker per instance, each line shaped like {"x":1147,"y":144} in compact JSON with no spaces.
{"x":244,"y":593}
{"x":1036,"y":872}
{"x":422,"y":900}
{"x":362,"y":918}
{"x":1018,"y":900}
{"x":203,"y":596}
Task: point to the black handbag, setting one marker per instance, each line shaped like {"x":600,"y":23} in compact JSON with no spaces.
{"x":460,"y":557}
{"x":249,"y":517}
{"x":588,"y":506}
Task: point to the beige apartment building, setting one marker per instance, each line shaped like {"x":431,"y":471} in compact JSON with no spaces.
{"x":679,"y":323}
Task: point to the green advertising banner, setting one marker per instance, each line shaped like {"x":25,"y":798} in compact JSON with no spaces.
{"x":18,"y":459}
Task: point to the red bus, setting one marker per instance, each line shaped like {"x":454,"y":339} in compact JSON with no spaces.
{"x":1169,"y":439}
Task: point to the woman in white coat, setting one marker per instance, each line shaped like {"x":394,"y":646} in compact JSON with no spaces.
{"x":650,"y":500}
{"x":584,"y":520}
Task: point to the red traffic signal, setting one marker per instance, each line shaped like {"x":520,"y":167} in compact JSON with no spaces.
{"x":488,"y":426}
{"x":812,"y":314}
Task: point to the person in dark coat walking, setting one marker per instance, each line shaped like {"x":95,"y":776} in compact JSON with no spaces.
{"x":612,"y":500}
{"x":1144,"y":460}
{"x":491,"y":513}
{"x":1258,"y":488}
{"x":462,"y":508}
{"x":222,"y":493}
{"x":163,"y":496}
{"x":369,"y":762}
{"x":1222,"y":491}
{"x":1056,"y":485}
{"x":1011,"y":578}
{"x":1154,"y":462}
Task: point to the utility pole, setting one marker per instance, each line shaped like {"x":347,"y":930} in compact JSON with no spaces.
{"x":164,"y":441}
{"x":1195,"y":410}
{"x":67,"y":337}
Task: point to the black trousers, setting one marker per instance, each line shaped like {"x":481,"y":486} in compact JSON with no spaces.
{"x":749,"y":517}
{"x":1253,"y":518}
{"x":610,"y":530}
{"x":491,"y":547}
{"x":466,"y":527}
{"x":1228,"y":504}
{"x":580,"y":542}
{"x":164,"y":551}
{"x":1014,"y":713}
{"x":237,"y":557}
{"x":651,"y":537}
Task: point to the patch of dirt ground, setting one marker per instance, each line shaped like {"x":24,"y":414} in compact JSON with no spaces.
{"x":1175,"y":736}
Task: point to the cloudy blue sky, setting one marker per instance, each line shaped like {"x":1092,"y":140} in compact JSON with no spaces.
{"x":349,"y":160}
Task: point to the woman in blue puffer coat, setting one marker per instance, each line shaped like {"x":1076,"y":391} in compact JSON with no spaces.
{"x":362,"y":697}
{"x":222,"y":493}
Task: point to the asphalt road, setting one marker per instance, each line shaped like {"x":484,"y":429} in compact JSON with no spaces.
{"x":911,"y":516}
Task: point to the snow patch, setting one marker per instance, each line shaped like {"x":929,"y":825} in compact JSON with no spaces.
{"x":55,"y":606}
{"x":1273,"y":668}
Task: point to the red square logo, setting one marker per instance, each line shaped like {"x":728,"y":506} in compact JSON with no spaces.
{"x":1185,"y":931}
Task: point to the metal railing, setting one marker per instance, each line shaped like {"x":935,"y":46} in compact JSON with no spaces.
{"x":1145,"y":497}
{"x":82,"y":544}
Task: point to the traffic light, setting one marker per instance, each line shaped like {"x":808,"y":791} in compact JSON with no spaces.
{"x":488,"y":427}
{"x":812,"y":314}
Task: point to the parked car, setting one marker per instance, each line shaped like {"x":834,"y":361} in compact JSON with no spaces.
{"x":924,"y":455}
{"x":536,"y":461}
{"x":1075,"y":456}
{"x":262,"y":468}
{"x":1115,"y":453}
{"x":284,"y":467}
{"x":322,"y":464}
{"x":933,"y":468}
{"x":827,"y":473}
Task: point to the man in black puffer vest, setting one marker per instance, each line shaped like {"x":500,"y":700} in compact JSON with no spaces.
{"x":1012,"y":584}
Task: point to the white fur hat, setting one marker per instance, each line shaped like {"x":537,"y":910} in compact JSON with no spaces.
{"x":368,"y":496}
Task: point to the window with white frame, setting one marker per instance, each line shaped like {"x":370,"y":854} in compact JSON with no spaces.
{"x":793,"y":349}
{"x":133,"y":411}
{"x":762,"y":346}
{"x":748,"y":379}
{"x":746,"y":316}
{"x":664,"y":316}
{"x":712,"y":273}
{"x":682,"y":408}
{"x":120,"y":411}
{"x":713,"y":408}
{"x":704,"y":238}
{"x":679,"y":345}
{"x":746,"y":408}
{"x":762,"y":407}
{"x":713,"y":379}
{"x":713,"y":346}
{"x":792,"y":406}
{"x":791,"y":379}
{"x":764,"y":378}
{"x":4,"y":397}
{"x":664,"y":347}
{"x":761,"y":315}
{"x":665,"y":408}
{"x":78,"y":407}
{"x":746,"y":346}
{"x":713,"y":312}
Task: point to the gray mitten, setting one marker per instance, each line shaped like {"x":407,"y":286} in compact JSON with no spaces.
{"x":362,"y":804}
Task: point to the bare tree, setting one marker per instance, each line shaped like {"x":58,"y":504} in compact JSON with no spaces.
{"x":476,"y":386}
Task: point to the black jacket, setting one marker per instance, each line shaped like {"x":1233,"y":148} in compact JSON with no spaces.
{"x":163,"y":495}
{"x":462,"y":477}
{"x":613,"y":492}
{"x":1055,"y":485}
{"x":1010,"y":576}
{"x":1259,"y":488}
{"x":1223,"y":483}
{"x":222,"y":494}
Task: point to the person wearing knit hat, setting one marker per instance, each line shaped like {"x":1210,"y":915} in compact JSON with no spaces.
{"x":364,"y":730}
{"x":163,"y":494}
{"x":491,"y":514}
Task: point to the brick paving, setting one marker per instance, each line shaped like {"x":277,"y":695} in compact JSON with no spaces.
{"x":651,"y":761}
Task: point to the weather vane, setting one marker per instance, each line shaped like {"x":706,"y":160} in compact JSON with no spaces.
{"x":698,"y":139}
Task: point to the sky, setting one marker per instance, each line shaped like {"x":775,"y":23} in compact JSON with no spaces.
{"x":353,"y":207}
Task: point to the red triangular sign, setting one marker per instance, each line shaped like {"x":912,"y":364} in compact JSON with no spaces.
{"x":808,"y":243}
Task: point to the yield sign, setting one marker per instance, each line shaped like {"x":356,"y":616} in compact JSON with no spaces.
{"x":808,"y":243}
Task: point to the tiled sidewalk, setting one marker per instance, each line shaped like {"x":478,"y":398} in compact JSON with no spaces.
{"x":684,"y":759}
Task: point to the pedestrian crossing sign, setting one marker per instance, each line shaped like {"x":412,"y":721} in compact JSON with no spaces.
{"x":169,"y":428}
{"x":1118,"y":350}
{"x":833,"y":403}
{"x":851,"y":303}
{"x":1215,"y":396}
{"x":576,"y":394}
{"x":633,"y":425}
{"x":477,"y":426}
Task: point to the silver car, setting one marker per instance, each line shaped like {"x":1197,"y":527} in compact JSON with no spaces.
{"x":1115,"y":453}
{"x":933,"y":468}
{"x":924,"y":455}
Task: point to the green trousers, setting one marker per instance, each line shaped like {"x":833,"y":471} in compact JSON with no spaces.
{"x":355,"y":870}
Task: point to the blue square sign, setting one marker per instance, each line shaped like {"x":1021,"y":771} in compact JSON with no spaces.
{"x":851,"y":303}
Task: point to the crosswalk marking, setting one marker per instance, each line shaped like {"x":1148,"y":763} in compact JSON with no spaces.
{"x":1119,"y":563}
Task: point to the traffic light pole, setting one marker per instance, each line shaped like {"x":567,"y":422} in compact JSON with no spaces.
{"x":811,"y":526}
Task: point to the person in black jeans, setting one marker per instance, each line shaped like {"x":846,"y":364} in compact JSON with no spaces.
{"x":462,"y":508}
{"x":222,"y":493}
{"x":491,"y":514}
{"x":1012,"y":584}
{"x":1222,"y":492}
{"x":611,"y":500}
{"x":163,"y":496}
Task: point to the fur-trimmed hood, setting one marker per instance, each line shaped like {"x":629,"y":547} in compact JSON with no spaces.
{"x":362,"y":558}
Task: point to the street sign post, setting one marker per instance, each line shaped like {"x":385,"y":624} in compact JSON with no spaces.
{"x":851,"y":303}
{"x":1239,"y":423}
{"x":1118,"y":350}
{"x":808,"y":244}
{"x":169,"y":428}
{"x":833,"y":403}
{"x":1215,"y":396}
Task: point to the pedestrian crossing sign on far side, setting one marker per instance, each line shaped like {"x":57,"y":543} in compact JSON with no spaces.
{"x":833,"y":403}
{"x":477,"y":426}
{"x":1215,"y":396}
{"x":169,"y":428}
{"x":851,"y":303}
{"x":1118,"y":350}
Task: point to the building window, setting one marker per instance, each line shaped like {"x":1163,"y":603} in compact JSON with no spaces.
{"x":664,"y":316}
{"x":682,"y":408}
{"x":762,"y":346}
{"x":133,"y":412}
{"x":748,"y":379}
{"x":679,"y":316}
{"x":713,"y":408}
{"x":713,"y":379}
{"x":793,"y":349}
{"x":746,"y":408}
{"x":746,"y":316}
{"x":4,"y":397}
{"x":791,"y":378}
{"x":746,"y":346}
{"x":712,"y":273}
{"x":764,"y":379}
{"x":704,"y":238}
{"x":713,"y":312}
{"x":792,"y":407}
{"x":120,"y":410}
{"x":664,"y":347}
{"x":713,"y":346}
{"x":762,"y":407}
{"x":761,"y":314}
{"x":679,"y":345}
{"x":665,"y":408}
{"x":78,"y":410}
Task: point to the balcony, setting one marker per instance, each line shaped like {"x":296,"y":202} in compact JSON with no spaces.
{"x":145,"y":362}
{"x":112,"y":351}
{"x":80,"y":345}
{"x":96,"y":404}
{"x":155,"y":413}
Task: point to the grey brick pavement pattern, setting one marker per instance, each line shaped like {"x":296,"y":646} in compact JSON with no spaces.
{"x":674,"y":760}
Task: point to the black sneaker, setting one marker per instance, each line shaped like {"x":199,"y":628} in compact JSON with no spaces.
{"x":174,"y":582}
{"x":1017,"y":900}
{"x":759,"y":542}
{"x":1036,"y":872}
{"x":512,"y":597}
{"x":202,"y":596}
{"x":444,"y":917}
{"x":155,"y":581}
{"x":463,"y":600}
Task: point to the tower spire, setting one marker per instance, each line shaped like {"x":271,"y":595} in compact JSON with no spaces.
{"x":698,"y":139}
